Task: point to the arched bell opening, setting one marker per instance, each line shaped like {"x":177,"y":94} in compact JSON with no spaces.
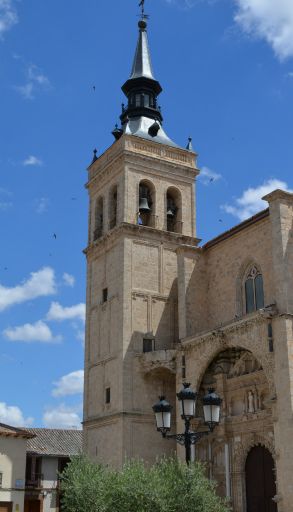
{"x":99,"y":218}
{"x":113,"y":206}
{"x":174,"y":210}
{"x":146,"y":205}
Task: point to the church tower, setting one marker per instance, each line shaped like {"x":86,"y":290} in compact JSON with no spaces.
{"x":141,"y":211}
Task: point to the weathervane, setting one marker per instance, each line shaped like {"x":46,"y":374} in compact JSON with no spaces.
{"x":143,"y":15}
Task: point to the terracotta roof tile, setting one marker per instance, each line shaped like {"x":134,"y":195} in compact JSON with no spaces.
{"x":55,"y":442}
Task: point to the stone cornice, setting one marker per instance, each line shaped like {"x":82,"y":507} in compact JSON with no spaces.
{"x":129,"y":145}
{"x":141,"y":146}
{"x":279,"y":195}
{"x":134,"y":230}
{"x":220,"y":332}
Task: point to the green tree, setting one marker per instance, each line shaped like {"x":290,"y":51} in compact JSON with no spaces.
{"x":167,"y":486}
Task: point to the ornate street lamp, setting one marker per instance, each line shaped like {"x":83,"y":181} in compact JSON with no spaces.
{"x":187,"y":403}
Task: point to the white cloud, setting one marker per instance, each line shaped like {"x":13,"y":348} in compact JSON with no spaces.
{"x":28,"y":333}
{"x":32,"y":161}
{"x":25,"y":90}
{"x":68,"y":279}
{"x":36,"y":75}
{"x":271,"y":20}
{"x":207,"y":176}
{"x":8,"y":16}
{"x":42,"y":205}
{"x":71,"y":384}
{"x":36,"y":81}
{"x":251,"y":200}
{"x":12,"y":415}
{"x":40,"y":284}
{"x":60,"y":313}
{"x":62,"y":417}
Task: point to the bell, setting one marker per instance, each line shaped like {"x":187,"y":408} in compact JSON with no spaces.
{"x":171,"y":209}
{"x":144,"y":205}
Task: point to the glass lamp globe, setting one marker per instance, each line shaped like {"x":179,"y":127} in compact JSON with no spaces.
{"x":211,"y":408}
{"x":162,"y":410}
{"x":187,"y":400}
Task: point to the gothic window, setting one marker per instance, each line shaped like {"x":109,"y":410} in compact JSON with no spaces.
{"x":173,"y":210}
{"x":146,"y":204}
{"x":99,"y":218}
{"x":113,"y":207}
{"x":254,"y":295}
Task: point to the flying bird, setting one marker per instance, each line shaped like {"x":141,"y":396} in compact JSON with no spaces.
{"x":94,"y":88}
{"x":220,"y":220}
{"x":212,"y":179}
{"x":55,"y":236}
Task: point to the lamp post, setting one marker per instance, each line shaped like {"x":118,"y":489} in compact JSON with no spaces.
{"x":187,"y":403}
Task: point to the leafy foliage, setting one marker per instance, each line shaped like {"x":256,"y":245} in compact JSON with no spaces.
{"x":168,"y":486}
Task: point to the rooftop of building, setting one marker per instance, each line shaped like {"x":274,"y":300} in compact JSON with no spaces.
{"x":55,"y":442}
{"x":9,"y":431}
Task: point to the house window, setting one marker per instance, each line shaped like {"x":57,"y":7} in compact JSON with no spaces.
{"x":108,"y":395}
{"x":1,"y":479}
{"x":105,"y":295}
{"x":254,"y":296}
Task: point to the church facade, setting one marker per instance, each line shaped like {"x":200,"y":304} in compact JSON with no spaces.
{"x":163,"y":309}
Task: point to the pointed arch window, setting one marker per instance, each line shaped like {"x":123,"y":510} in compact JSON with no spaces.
{"x":254,"y":295}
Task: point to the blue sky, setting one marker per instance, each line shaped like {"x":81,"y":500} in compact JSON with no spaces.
{"x":226,"y":67}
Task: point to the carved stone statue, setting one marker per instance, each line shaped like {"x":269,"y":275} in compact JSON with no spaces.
{"x":251,"y":406}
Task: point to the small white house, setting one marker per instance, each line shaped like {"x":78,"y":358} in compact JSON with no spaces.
{"x":13,"y":448}
{"x":48,"y":452}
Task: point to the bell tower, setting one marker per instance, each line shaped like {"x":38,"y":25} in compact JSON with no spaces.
{"x":141,"y":211}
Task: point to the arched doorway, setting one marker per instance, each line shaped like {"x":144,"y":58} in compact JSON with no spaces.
{"x":260,"y":481}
